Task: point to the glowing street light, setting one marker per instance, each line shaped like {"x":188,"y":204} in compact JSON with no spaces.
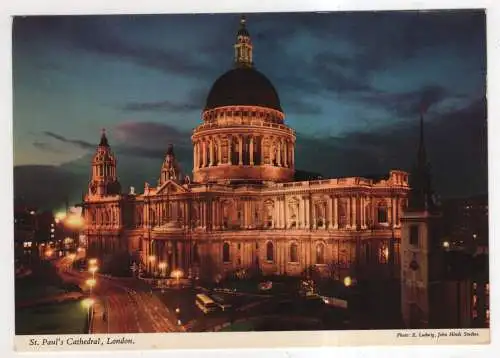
{"x":93,"y":270}
{"x":92,"y":262}
{"x":91,"y":283}
{"x":347,"y":281}
{"x":88,"y":302}
{"x":177,"y":274}
{"x":446,"y":244}
{"x":162,"y":266}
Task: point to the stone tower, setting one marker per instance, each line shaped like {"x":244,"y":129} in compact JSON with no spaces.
{"x":104,"y":181}
{"x":421,"y":249}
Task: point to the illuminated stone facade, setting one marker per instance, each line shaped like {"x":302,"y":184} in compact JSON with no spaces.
{"x":242,"y":208}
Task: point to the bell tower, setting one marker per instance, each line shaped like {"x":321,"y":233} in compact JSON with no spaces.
{"x":170,"y":169}
{"x":104,"y":181}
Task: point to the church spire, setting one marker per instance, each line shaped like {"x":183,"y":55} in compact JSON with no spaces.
{"x":104,"y":139}
{"x":243,"y":46}
{"x":421,"y":195}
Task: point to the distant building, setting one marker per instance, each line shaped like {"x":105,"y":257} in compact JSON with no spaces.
{"x":465,"y":221}
{"x":444,"y":279}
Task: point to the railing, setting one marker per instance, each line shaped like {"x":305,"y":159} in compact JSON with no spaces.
{"x":240,"y":122}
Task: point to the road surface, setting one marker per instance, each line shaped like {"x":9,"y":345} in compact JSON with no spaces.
{"x":129,"y":306}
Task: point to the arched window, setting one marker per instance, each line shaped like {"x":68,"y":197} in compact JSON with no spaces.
{"x":320,"y":253}
{"x":270,"y":251}
{"x":382,"y":214}
{"x":225,"y":253}
{"x":294,"y":253}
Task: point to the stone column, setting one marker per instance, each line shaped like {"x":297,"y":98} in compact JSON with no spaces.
{"x":219,"y":151}
{"x":286,"y":223}
{"x":285,"y":153}
{"x":202,"y":214}
{"x":278,"y":159}
{"x":354,"y":211}
{"x":251,"y":150}
{"x":300,"y":224}
{"x":362,"y":211}
{"x":204,"y":154}
{"x":292,"y":159}
{"x":211,"y":152}
{"x":335,"y":213}
{"x":194,"y":155}
{"x":330,"y":212}
{"x":283,"y":221}
{"x":308,"y":213}
{"x":240,"y":147}
{"x":212,"y":208}
{"x":229,"y":145}
{"x":262,"y":161}
{"x":314,"y":215}
{"x":393,"y":209}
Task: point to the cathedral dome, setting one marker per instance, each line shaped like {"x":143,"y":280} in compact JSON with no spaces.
{"x":243,"y":86}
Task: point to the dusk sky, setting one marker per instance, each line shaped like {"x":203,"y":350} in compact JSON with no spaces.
{"x":351,"y":85}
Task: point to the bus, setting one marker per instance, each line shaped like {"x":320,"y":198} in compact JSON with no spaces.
{"x":205,"y":303}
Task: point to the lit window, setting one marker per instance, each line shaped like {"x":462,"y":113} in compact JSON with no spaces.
{"x":474,"y":301}
{"x":474,"y":286}
{"x":487,"y":316}
{"x":487,"y":289}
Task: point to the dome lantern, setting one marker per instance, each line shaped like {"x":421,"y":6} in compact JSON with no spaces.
{"x":243,"y":46}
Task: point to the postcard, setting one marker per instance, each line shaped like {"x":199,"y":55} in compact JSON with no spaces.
{"x":286,"y":179}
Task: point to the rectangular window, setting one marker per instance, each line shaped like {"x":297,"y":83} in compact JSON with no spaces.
{"x":414,"y":235}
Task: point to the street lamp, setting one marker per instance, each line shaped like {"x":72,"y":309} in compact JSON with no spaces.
{"x":446,"y":244}
{"x":151,"y":260}
{"x":177,"y":274}
{"x":93,"y":270}
{"x":347,"y":281}
{"x":162,"y":266}
{"x":91,"y":283}
{"x":92,"y":261}
{"x":87,"y":304}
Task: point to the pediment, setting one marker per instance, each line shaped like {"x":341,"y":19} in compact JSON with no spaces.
{"x":171,"y":187}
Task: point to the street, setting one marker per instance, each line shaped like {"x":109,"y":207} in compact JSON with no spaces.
{"x":129,"y":306}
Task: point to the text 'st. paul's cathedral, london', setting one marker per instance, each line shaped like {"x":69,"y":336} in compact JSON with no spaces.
{"x":244,"y":206}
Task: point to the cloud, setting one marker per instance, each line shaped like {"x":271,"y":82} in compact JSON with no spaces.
{"x":76,"y":142}
{"x":300,"y":106}
{"x":47,"y":147}
{"x":161,"y":106}
{"x":458,"y":157}
{"x":407,"y":103}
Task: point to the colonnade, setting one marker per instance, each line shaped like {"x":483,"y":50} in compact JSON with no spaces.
{"x":240,"y":149}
